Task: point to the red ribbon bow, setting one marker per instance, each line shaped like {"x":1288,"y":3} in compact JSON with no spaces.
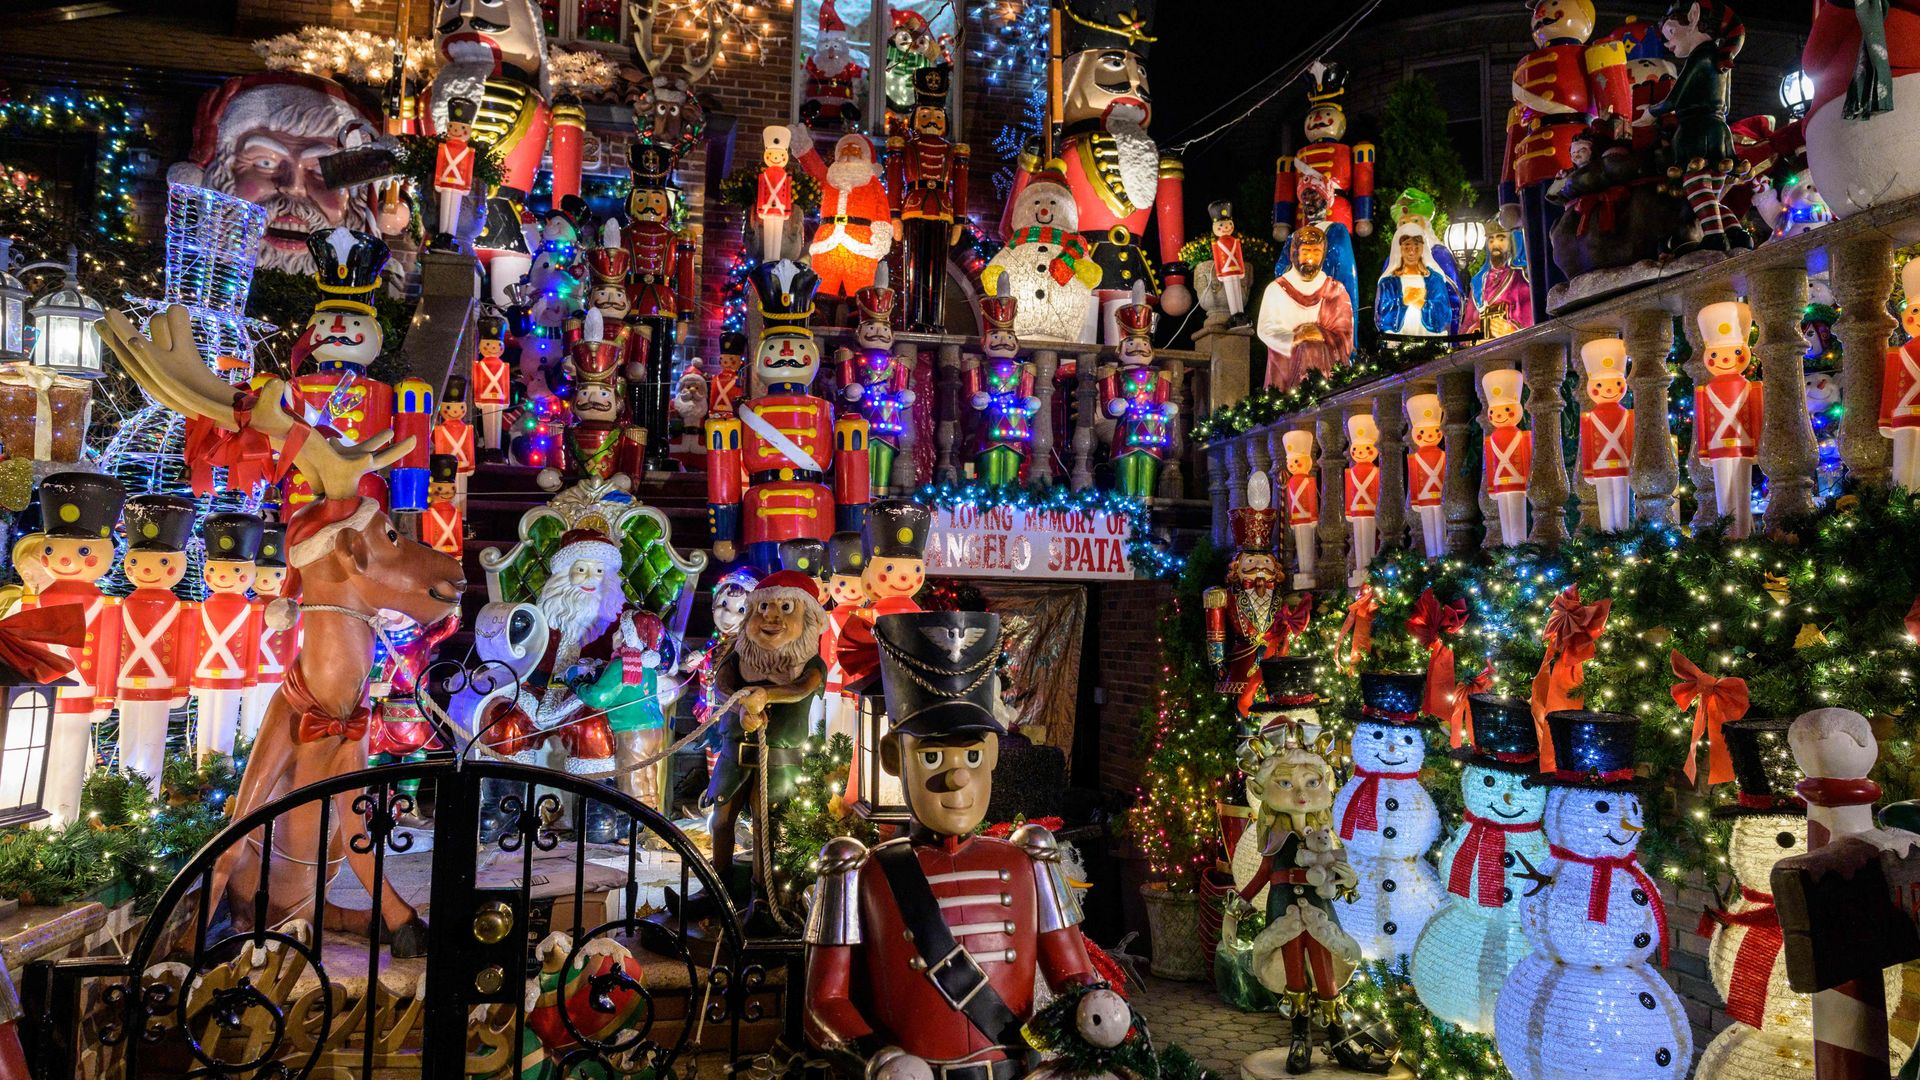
{"x":1429,"y":626}
{"x":245,"y":453}
{"x":1602,"y":889}
{"x":1719,"y":700}
{"x":32,"y":641}
{"x":1572,"y":633}
{"x":312,"y":722}
{"x":1357,"y":628}
{"x":1431,"y":620}
{"x":1753,"y":960}
{"x":1292,"y":622}
{"x":1362,"y":813}
{"x":1485,"y":851}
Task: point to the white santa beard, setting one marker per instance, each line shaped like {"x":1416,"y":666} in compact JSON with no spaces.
{"x":1139,"y":161}
{"x":576,"y":615}
{"x":848,"y":175}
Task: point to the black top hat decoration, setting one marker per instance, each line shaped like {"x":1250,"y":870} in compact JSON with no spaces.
{"x":231,"y":537}
{"x":805,"y":554}
{"x":443,"y":468}
{"x":936,"y":668}
{"x":347,"y":266}
{"x":80,"y":506}
{"x":1592,"y":749}
{"x":1288,"y":681}
{"x":1764,"y":771}
{"x":158,"y":522}
{"x":651,"y":165}
{"x":846,"y":554}
{"x":897,"y":529}
{"x":785,"y":292}
{"x":1503,"y":733}
{"x":1387,"y":698}
{"x":273,"y":545}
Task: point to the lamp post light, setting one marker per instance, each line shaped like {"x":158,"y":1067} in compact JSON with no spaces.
{"x":1796,"y":91}
{"x":65,"y":339}
{"x":13,"y":307}
{"x":1465,"y":238}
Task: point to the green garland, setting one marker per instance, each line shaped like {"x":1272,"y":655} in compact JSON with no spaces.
{"x":1432,"y":1048}
{"x":1054,"y":1031}
{"x":815,"y":814}
{"x":1266,"y":405}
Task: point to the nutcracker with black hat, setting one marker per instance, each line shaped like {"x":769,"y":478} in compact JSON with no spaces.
{"x":785,"y":443}
{"x":444,"y":526}
{"x":874,"y":381}
{"x":74,"y":551}
{"x":276,"y":617}
{"x":924,"y":953}
{"x":598,"y":443}
{"x":156,"y":632}
{"x":927,"y":176}
{"x":224,"y":648}
{"x":342,"y":338}
{"x":1140,"y":399}
{"x":453,"y":437}
{"x":492,"y":376}
{"x":660,"y":287}
{"x":1000,"y":388}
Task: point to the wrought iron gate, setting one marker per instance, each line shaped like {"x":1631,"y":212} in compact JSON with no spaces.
{"x":624,"y":982}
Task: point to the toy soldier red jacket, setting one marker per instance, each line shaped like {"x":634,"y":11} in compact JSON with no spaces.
{"x":492,"y":382}
{"x":96,"y":661}
{"x":155,"y":646}
{"x":1509,"y":459}
{"x":443,"y":529}
{"x":1426,"y":475}
{"x":1726,"y":417}
{"x":774,"y":197}
{"x":1606,"y":440}
{"x":1348,"y":168}
{"x":1363,"y":489}
{"x":226,"y":644}
{"x":1556,"y":90}
{"x":1900,"y":392}
{"x":1303,"y":500}
{"x":662,"y":274}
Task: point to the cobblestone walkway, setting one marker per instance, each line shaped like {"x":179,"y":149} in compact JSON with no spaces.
{"x":1189,"y":1013}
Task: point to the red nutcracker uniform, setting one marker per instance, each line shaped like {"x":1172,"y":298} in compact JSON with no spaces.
{"x":443,"y":528}
{"x":1509,"y":458}
{"x":1900,"y":390}
{"x":1426,"y":476}
{"x":1303,"y":505}
{"x":1606,"y":454}
{"x":276,"y":647}
{"x":1247,"y":604}
{"x":660,"y":290}
{"x":157,"y":633}
{"x":927,"y":176}
{"x":1349,"y":171}
{"x":1362,"y":492}
{"x":342,"y":337}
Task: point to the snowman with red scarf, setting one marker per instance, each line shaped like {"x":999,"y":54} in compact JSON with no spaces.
{"x":1388,"y":822}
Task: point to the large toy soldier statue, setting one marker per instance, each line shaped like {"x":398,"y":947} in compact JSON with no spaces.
{"x":927,"y":174}
{"x":1118,"y":177}
{"x":927,"y":947}
{"x":597,"y":443}
{"x":1326,"y":183}
{"x":1243,"y":618}
{"x":874,"y":381}
{"x":343,"y":338}
{"x":660,"y":288}
{"x":226,"y":648}
{"x":785,"y":442}
{"x":156,"y":630}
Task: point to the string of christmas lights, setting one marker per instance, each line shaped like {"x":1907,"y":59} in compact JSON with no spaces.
{"x":118,"y":130}
{"x":1147,"y":555}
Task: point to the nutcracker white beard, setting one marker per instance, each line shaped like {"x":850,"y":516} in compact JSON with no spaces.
{"x":1139,"y":158}
{"x":580,"y":616}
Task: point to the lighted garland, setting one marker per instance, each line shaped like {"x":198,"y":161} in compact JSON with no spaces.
{"x":1054,"y":1031}
{"x":815,"y":814}
{"x":1155,"y":560}
{"x":1433,"y":1049}
{"x":733,"y":294}
{"x":114,"y":123}
{"x":1266,"y":405}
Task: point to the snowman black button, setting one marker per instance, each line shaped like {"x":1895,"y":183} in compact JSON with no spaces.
{"x":1506,"y":896}
{"x":1389,"y":832}
{"x":1640,"y":897}
{"x":1388,"y":885}
{"x":1640,"y":941}
{"x":1646,"y":1000}
{"x":1390,"y":928}
{"x":1507,"y":860}
{"x":1662,"y":1057}
{"x":1393,"y":804}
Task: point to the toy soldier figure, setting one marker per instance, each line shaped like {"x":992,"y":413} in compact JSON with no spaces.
{"x":1362,"y":491}
{"x":1303,"y":504}
{"x":1119,"y":179}
{"x":224,"y":651}
{"x":927,"y":175}
{"x":1507,"y":454}
{"x":1326,"y":183}
{"x":453,"y":436}
{"x":875,"y":382}
{"x":1229,"y":264}
{"x":928,"y":947}
{"x":1139,"y":397}
{"x":1727,"y":412}
{"x":660,"y":288}
{"x":846,"y":595}
{"x":1900,"y":392}
{"x":1000,"y":389}
{"x":1427,"y":471}
{"x":1606,"y":432}
{"x":773,"y":195}
{"x":893,"y":568}
{"x":453,"y":171}
{"x":278,"y":629}
{"x":443,"y":528}
{"x":156,"y":631}
{"x":342,"y":338}
{"x":785,"y":443}
{"x":492,"y":377}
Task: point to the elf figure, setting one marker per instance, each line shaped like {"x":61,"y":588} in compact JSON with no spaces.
{"x":453,"y":171}
{"x":1427,"y":471}
{"x":875,"y":382}
{"x":1303,"y":504}
{"x":225,"y":660}
{"x":1363,"y":492}
{"x":277,"y":629}
{"x":1000,"y":389}
{"x":342,"y":337}
{"x":1326,"y":183}
{"x":444,"y":527}
{"x":628,"y":691}
{"x":1727,"y":412}
{"x":773,"y":195}
{"x":1138,"y":396}
{"x":927,"y":175}
{"x":453,"y":437}
{"x":1606,"y":432}
{"x":1229,"y":264}
{"x":1507,"y":454}
{"x":79,"y":511}
{"x":156,"y":630}
{"x":1900,"y":392}
{"x":492,"y":377}
{"x":1705,"y":35}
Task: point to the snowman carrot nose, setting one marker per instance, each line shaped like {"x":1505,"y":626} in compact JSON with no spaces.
{"x":1631,"y":827}
{"x":1507,"y":797}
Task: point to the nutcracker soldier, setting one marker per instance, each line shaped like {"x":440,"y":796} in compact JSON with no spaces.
{"x":79,"y":511}
{"x":1606,"y":432}
{"x":453,"y":437}
{"x":723,"y":386}
{"x":156,"y":630}
{"x":1118,"y":176}
{"x":412,"y":419}
{"x":1557,"y":89}
{"x":1427,"y":471}
{"x":453,"y":171}
{"x":597,"y":443}
{"x":608,"y":268}
{"x":773,"y":195}
{"x":444,"y":527}
{"x":1000,"y":389}
{"x":1362,"y":492}
{"x":1229,"y":263}
{"x":927,"y":176}
{"x":1243,"y":627}
{"x":1303,"y":504}
{"x":1900,"y":390}
{"x":277,"y":624}
{"x":785,"y":443}
{"x":1507,"y":454}
{"x":492,"y":377}
{"x":342,"y":338}
{"x":225,"y":647}
{"x":661,"y":288}
{"x":1705,"y":35}
{"x":874,"y":381}
{"x":1727,"y":412}
{"x":906,"y":950}
{"x":1326,"y":183}
{"x":1138,"y":396}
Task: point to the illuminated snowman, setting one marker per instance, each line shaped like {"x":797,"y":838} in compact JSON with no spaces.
{"x":1469,"y":947}
{"x":1587,"y":1001}
{"x":1388,"y":821}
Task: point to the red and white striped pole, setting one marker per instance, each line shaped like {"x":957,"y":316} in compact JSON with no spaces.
{"x":1836,"y":750}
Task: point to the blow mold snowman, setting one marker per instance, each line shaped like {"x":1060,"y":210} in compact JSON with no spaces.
{"x":1473,"y":943}
{"x":1387,"y":821}
{"x":1586,"y":1001}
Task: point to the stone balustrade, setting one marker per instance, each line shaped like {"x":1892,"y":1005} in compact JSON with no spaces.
{"x":1856,"y":254}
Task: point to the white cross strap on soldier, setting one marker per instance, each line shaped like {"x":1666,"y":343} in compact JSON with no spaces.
{"x":1729,"y":419}
{"x":144,"y":648}
{"x":219,"y":662}
{"x":1503,"y":466}
{"x":1612,"y":450}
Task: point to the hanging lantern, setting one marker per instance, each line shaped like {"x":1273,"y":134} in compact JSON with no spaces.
{"x":65,"y":339}
{"x":881,"y":797}
{"x":23,"y":745}
{"x":13,"y":311}
{"x":1465,"y":237}
{"x":1796,"y":91}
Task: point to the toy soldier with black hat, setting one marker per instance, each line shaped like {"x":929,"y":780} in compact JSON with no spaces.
{"x":453,"y":171}
{"x":75,"y":551}
{"x":444,"y":527}
{"x":927,"y":175}
{"x":660,"y":288}
{"x":894,"y":546}
{"x":806,"y":555}
{"x":452,"y":435}
{"x":928,"y":947}
{"x":846,"y":594}
{"x":492,"y":377}
{"x":156,"y":630}
{"x":224,"y":650}
{"x":276,"y":622}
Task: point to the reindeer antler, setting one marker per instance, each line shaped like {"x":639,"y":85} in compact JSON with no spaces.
{"x":640,"y":17}
{"x":697,"y":71}
{"x":169,"y":367}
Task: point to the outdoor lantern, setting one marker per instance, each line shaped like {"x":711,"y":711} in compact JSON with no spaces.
{"x":1465,"y":237}
{"x":23,"y":747}
{"x":881,"y":797}
{"x":13,"y":309}
{"x":1796,"y":91}
{"x":65,"y":339}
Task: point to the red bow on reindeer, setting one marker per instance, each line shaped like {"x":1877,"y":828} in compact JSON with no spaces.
{"x":1572,"y":633}
{"x":1429,"y":626}
{"x":1718,"y":700}
{"x":31,"y":640}
{"x":1291,"y":622}
{"x":245,"y":453}
{"x":1357,"y":629}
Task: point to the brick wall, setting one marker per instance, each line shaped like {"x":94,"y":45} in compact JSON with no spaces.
{"x":378,"y":16}
{"x":1127,"y":668}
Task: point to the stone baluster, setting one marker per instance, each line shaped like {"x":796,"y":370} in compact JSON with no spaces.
{"x":1862,"y":276}
{"x":1217,"y":485}
{"x":1332,"y":437}
{"x":947,"y":406}
{"x":1787,"y":453}
{"x":1655,"y":470}
{"x":1173,"y":482}
{"x":1699,"y":470}
{"x":1086,"y":392}
{"x":1260,"y":454}
{"x":905,"y":475}
{"x":1460,"y":498}
{"x":1589,"y":501}
{"x":1237,"y":469}
{"x":1040,"y":460}
{"x":1488,"y":512}
{"x":1390,"y":415}
{"x":1545,"y":370}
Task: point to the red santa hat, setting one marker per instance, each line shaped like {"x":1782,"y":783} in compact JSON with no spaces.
{"x":780,"y":580}
{"x":250,"y":101}
{"x":830,"y":19}
{"x":577,"y":544}
{"x":311,"y":531}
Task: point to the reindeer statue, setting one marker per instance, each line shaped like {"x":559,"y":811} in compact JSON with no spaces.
{"x":353,"y":567}
{"x":666,"y":112}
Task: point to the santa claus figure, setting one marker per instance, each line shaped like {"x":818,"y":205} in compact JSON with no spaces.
{"x":225,"y":661}
{"x":1047,"y":265}
{"x":835,"y":81}
{"x":1900,"y":391}
{"x":1303,"y":504}
{"x":1507,"y":454}
{"x":875,"y":383}
{"x":1606,"y":432}
{"x":1306,"y":315}
{"x":1427,"y":471}
{"x":855,"y":231}
{"x":342,"y":338}
{"x":156,"y":630}
{"x":1362,"y":492}
{"x":1727,"y":412}
{"x":773,"y":194}
{"x":276,"y":617}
